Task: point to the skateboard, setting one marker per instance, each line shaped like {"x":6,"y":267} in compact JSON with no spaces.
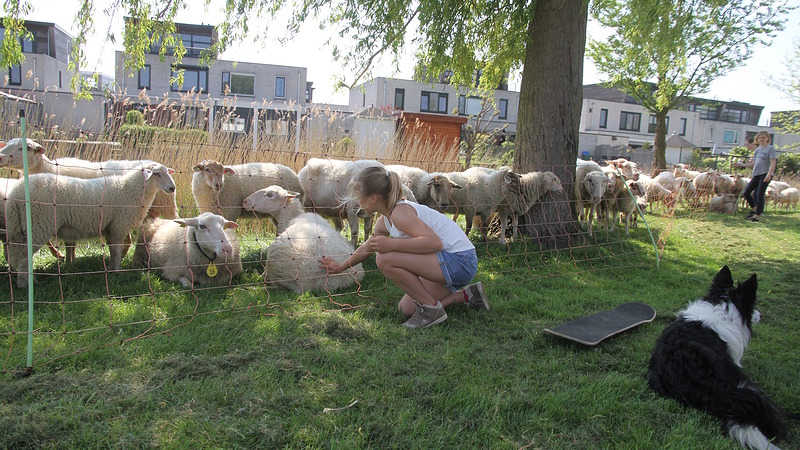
{"x":593,"y":329}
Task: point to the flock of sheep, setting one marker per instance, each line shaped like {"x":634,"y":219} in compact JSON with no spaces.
{"x":75,"y":200}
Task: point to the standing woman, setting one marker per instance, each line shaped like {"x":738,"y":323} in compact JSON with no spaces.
{"x":763,"y":164}
{"x":420,"y":250}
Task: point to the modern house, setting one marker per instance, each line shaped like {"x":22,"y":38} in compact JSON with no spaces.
{"x":44,"y":77}
{"x":614,"y":125}
{"x":236,"y":97}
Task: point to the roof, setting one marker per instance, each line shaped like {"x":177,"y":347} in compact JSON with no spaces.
{"x":371,"y":112}
{"x":677,"y":141}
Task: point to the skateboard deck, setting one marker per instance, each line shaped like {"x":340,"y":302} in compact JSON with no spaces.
{"x":593,"y":329}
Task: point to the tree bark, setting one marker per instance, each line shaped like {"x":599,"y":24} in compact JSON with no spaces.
{"x":551,"y":94}
{"x":660,"y":148}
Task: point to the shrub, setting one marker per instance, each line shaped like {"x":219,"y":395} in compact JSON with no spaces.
{"x":131,"y":135}
{"x":134,"y":118}
{"x":788,"y":163}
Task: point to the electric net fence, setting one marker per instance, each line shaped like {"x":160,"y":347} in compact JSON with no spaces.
{"x":86,"y":304}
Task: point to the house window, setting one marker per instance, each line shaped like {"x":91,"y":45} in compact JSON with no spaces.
{"x":233,"y":125}
{"x":711,"y":134}
{"x":195,"y":44}
{"x":15,"y":75}
{"x":27,"y":45}
{"x":469,"y":106}
{"x":433,"y":102}
{"x":603,"y":118}
{"x":630,"y":121}
{"x":503,"y":106}
{"x":144,"y":77}
{"x":399,"y":98}
{"x":651,"y":126}
{"x":682,"y":127}
{"x":730,"y":137}
{"x":59,"y":79}
{"x":194,"y":79}
{"x":280,"y":87}
{"x":238,"y":84}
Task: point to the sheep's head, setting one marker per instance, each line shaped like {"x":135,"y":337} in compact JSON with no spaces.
{"x":552,"y":181}
{"x":213,"y":173}
{"x":208,"y":233}
{"x":270,"y":200}
{"x":636,"y":187}
{"x":440,"y":187}
{"x":11,"y":153}
{"x":596,"y":184}
{"x":161,"y":175}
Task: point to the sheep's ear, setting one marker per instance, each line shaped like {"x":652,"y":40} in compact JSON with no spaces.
{"x":170,"y":171}
{"x":292,"y":195}
{"x":189,"y":222}
{"x":2,"y":144}
{"x":198,"y":167}
{"x":147,"y":174}
{"x":429,"y":183}
{"x":231,"y":225}
{"x":511,"y":178}
{"x":229,"y":171}
{"x":455,"y":186}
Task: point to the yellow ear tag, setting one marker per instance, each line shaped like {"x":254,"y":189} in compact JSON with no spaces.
{"x":211,"y":270}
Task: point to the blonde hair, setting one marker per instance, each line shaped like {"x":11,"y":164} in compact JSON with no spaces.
{"x":378,"y":180}
{"x":763,"y":133}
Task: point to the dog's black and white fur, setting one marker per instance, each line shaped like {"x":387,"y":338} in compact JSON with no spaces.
{"x":697,"y":361}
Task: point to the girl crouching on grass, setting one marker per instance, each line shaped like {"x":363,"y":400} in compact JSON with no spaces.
{"x":419,"y":249}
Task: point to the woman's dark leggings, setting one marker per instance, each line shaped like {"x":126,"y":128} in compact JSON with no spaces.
{"x":754,"y":193}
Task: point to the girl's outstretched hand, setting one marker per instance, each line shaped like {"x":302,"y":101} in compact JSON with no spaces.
{"x":330,"y":265}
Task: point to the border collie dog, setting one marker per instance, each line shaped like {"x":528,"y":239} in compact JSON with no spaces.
{"x":697,"y":361}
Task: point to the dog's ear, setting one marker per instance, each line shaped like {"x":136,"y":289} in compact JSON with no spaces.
{"x":745,"y":299}
{"x":723,"y":279}
{"x":749,"y":287}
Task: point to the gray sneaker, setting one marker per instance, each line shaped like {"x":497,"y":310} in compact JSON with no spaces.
{"x":426,"y":315}
{"x":476,"y":297}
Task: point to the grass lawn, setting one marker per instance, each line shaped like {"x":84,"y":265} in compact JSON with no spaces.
{"x":246,"y":368}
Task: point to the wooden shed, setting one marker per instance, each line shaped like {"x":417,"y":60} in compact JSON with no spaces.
{"x":423,"y":133}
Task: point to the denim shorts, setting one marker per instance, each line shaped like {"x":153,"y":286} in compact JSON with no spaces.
{"x":458,"y":268}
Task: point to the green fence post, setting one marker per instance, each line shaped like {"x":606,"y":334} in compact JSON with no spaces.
{"x":29,"y":367}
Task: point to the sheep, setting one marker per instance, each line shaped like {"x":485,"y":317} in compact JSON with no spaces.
{"x":326,"y":184}
{"x":724,"y":184}
{"x":655,"y":192}
{"x":666,"y":179}
{"x":303,"y":238}
{"x":626,"y":202}
{"x":682,"y":170}
{"x":685,"y":192}
{"x":610,"y":196}
{"x":627,"y":168}
{"x":722,"y":203}
{"x":221,"y":189}
{"x":475,"y":192}
{"x":193,"y":251}
{"x":592,"y":185}
{"x":416,"y":180}
{"x":78,"y":209}
{"x":522,"y":191}
{"x":788,"y":197}
{"x":704,"y":183}
{"x":11,"y":156}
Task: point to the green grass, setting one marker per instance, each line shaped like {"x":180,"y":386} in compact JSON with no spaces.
{"x":250,"y":368}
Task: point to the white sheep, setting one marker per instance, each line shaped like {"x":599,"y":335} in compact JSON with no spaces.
{"x":475,"y":192}
{"x":326,"y":187}
{"x":202,"y":250}
{"x":521,"y":192}
{"x":416,"y":180}
{"x":592,"y":184}
{"x":685,"y":192}
{"x":629,"y":169}
{"x":221,"y":189}
{"x":788,"y":197}
{"x":77,"y":209}
{"x":164,"y":204}
{"x":303,"y":238}
{"x":682,"y":170}
{"x":705,"y":182}
{"x":626,"y":202}
{"x":722,"y":203}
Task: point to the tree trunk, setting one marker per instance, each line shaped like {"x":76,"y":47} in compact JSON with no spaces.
{"x":551,"y":94}
{"x":660,"y":149}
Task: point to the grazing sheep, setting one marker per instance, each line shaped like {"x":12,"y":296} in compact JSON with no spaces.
{"x":522,"y":191}
{"x":221,"y":189}
{"x":326,"y":184}
{"x":608,"y":209}
{"x":725,"y":184}
{"x":704,"y":184}
{"x":655,"y":192}
{"x":11,"y":156}
{"x":76,"y":209}
{"x":722,"y":203}
{"x":592,"y":185}
{"x":303,"y":238}
{"x":682,"y":170}
{"x":193,"y":251}
{"x":685,"y":192}
{"x":626,"y":202}
{"x":788,"y":197}
{"x":667,"y":179}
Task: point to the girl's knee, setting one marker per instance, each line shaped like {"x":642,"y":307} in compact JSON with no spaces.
{"x":406,"y":306}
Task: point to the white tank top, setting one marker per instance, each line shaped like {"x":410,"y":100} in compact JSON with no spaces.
{"x":453,"y":238}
